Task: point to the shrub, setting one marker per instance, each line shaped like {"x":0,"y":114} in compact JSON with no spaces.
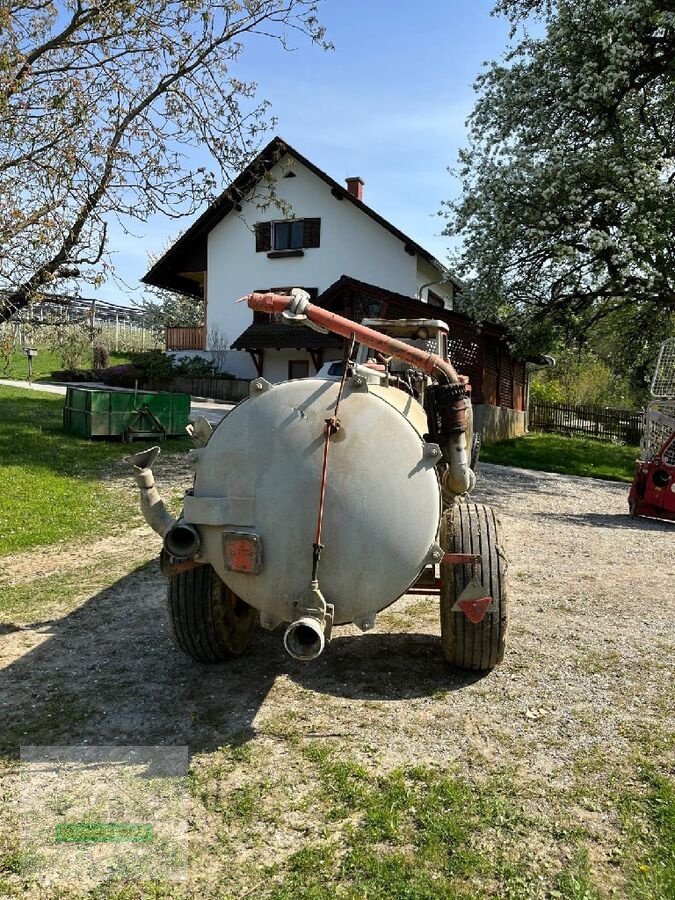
{"x":195,"y":367}
{"x":122,"y":376}
{"x":7,"y":345}
{"x":75,"y":375}
{"x":101,"y":356}
{"x":73,"y":346}
{"x":153,"y":364}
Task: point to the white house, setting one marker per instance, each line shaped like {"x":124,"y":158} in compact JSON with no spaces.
{"x":314,"y":233}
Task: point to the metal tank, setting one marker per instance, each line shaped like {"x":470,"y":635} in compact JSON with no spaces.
{"x":319,"y":502}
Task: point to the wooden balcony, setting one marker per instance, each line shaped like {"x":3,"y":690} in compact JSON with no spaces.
{"x":185,"y":338}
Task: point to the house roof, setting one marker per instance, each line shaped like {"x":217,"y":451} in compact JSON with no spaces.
{"x":188,"y":253}
{"x":277,"y":336}
{"x":409,"y":307}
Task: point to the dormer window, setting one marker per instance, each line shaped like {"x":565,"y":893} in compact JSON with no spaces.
{"x":290,"y":236}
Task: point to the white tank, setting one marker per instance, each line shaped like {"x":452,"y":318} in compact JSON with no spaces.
{"x":260,"y":474}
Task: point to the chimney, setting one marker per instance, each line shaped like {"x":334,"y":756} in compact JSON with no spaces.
{"x":355,"y":187}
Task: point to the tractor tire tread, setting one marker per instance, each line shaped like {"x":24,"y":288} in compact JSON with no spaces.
{"x":198,"y":601}
{"x":473,"y":528}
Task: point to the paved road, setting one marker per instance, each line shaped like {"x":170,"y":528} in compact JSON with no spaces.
{"x":213,"y":410}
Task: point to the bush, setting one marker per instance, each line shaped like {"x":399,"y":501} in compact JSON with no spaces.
{"x":75,"y":375}
{"x":73,"y":346}
{"x":7,"y":346}
{"x":194,"y":367}
{"x":153,"y":364}
{"x":101,"y":356}
{"x":122,"y":376}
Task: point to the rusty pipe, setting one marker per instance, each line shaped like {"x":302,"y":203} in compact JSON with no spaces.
{"x":430,"y":363}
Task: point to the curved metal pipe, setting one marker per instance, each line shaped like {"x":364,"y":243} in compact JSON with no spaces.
{"x":459,"y":478}
{"x":430,"y":363}
{"x":305,"y":639}
{"x":152,"y":506}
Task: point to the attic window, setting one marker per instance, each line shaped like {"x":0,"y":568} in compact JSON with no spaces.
{"x":292,"y":235}
{"x":290,"y":175}
{"x":288,"y":235}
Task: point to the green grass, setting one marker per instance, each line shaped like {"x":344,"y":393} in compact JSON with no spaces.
{"x":649,"y":818}
{"x":567,"y":455}
{"x":53,"y":487}
{"x":51,"y":595}
{"x":46,"y":362}
{"x":415,"y":833}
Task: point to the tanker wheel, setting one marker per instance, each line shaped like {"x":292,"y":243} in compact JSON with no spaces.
{"x":210,"y":623}
{"x":473,"y":528}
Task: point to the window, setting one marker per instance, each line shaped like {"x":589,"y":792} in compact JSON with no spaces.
{"x":298,"y":368}
{"x":434,"y":300}
{"x":286,"y":237}
{"x":289,"y":235}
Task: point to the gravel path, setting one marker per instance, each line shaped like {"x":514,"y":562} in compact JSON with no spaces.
{"x":587,"y":674}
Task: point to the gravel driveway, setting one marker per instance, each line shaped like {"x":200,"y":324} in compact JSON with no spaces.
{"x":587,"y":674}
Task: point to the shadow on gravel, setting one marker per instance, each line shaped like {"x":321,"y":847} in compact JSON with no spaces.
{"x":598,"y":520}
{"x":108,"y":673}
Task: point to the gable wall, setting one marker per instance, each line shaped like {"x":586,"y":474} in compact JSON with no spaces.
{"x":351,"y":244}
{"x":426,"y":273}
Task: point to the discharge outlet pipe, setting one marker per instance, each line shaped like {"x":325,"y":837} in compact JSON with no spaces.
{"x":451,"y":420}
{"x":181,"y":540}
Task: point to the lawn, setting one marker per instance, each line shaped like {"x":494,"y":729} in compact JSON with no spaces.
{"x":46,"y":362}
{"x":57,"y":486}
{"x":569,"y":455}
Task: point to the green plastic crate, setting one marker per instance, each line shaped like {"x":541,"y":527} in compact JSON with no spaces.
{"x":97,"y":412}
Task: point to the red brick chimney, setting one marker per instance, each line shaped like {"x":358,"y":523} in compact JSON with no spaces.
{"x":355,"y":187}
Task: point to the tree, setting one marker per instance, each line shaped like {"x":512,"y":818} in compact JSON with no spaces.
{"x":172,"y":310}
{"x":100,"y":104}
{"x":568,"y":183}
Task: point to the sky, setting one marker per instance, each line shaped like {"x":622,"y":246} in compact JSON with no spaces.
{"x":389,"y":104}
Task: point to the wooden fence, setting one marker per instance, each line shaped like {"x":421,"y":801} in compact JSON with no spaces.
{"x":230,"y":390}
{"x":593,"y":421}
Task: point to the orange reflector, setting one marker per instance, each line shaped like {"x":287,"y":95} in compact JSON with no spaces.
{"x":473,"y":602}
{"x":475,"y":610}
{"x":242,"y":552}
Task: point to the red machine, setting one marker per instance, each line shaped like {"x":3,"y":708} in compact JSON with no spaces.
{"x":653,"y":490}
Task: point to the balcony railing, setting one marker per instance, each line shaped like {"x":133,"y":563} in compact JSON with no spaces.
{"x":185,"y":338}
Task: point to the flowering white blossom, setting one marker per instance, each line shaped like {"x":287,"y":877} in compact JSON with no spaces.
{"x":568,"y":204}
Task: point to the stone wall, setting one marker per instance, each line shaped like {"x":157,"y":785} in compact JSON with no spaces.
{"x":497,"y":423}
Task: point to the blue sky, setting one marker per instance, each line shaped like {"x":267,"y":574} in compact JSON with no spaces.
{"x":389,"y":103}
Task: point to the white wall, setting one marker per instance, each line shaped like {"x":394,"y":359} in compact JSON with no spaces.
{"x":351,"y":244}
{"x":426,"y":273}
{"x":275,"y":367}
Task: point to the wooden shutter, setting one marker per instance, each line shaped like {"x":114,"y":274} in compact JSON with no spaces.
{"x":312,"y":232}
{"x":263,"y":236}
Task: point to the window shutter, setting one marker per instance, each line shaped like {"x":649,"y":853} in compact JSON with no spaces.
{"x":312,"y":232}
{"x":263,"y":236}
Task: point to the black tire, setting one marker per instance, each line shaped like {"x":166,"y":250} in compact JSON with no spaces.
{"x":210,"y":623}
{"x":473,"y":528}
